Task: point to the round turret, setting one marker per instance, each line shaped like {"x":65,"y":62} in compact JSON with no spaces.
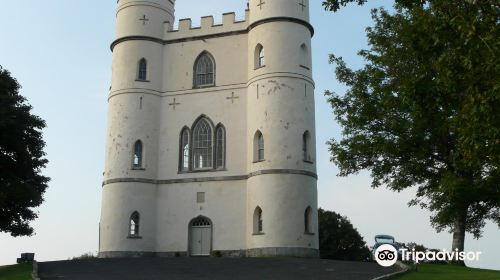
{"x":133,"y":128}
{"x":281,"y":193}
{"x":267,"y":9}
{"x":143,"y":18}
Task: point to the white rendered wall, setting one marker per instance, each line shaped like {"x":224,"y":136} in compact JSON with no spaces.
{"x":278,"y":8}
{"x":177,"y":206}
{"x":281,"y":106}
{"x":119,"y":201}
{"x":277,"y":99}
{"x":157,"y":12}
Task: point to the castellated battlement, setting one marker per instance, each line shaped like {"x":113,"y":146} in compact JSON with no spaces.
{"x":207,"y":27}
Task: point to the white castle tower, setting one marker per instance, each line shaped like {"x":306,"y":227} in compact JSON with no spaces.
{"x":211,"y":134}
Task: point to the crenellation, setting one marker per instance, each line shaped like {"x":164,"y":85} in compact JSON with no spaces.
{"x":228,"y":18}
{"x":184,"y":24}
{"x":207,"y":22}
{"x":207,"y":27}
{"x":247,"y":15}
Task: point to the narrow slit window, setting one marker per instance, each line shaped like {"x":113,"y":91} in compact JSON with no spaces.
{"x":220,"y":149}
{"x":138,"y":152}
{"x":184,"y":150}
{"x":258,"y":146}
{"x":260,"y":58}
{"x":142,"y":74}
{"x":304,"y":56}
{"x":306,"y":146}
{"x":258,"y":226}
{"x":134,"y":225}
{"x":308,"y":220}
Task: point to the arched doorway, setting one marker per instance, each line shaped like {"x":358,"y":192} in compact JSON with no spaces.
{"x":200,"y":236}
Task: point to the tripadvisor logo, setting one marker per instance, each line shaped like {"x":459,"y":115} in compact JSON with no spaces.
{"x":386,"y":255}
{"x":443,"y":255}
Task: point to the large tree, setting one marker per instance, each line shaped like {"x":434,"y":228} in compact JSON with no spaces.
{"x":21,"y":159}
{"x":424,"y":111}
{"x":339,"y":240}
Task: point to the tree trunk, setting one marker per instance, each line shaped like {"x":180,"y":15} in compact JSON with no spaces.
{"x":459,"y":235}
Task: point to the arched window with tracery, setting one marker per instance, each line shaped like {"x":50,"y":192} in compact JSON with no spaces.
{"x":134,"y":225}
{"x":204,"y":70}
{"x":202,"y":145}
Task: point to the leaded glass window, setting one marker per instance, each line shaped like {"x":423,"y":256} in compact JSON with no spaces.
{"x":143,"y":70}
{"x":201,"y":222}
{"x":184,"y":165}
{"x":134,"y":224}
{"x":202,"y":145}
{"x":137,"y":159}
{"x":220,"y":149}
{"x":204,"y":71}
{"x":260,"y":59}
{"x":260,"y":143}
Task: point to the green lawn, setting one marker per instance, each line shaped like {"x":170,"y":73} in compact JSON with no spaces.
{"x":450,"y":272}
{"x":16,"y":272}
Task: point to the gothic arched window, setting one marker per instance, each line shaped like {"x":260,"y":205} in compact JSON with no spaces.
{"x":142,"y":73}
{"x":220,"y":147}
{"x":258,"y":145}
{"x":202,"y":145}
{"x":184,"y":150}
{"x":260,"y":59}
{"x":134,"y":225}
{"x":138,"y":152}
{"x":258,"y":227}
{"x":308,"y":220}
{"x":204,"y":70}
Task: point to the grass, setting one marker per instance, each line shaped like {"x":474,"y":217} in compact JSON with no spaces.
{"x":450,"y":272}
{"x":16,"y":272}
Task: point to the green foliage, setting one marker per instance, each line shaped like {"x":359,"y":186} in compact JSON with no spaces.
{"x":450,"y":272}
{"x":335,"y":5}
{"x":339,"y":240}
{"x":217,"y":254}
{"x":85,"y":256}
{"x":16,"y":272}
{"x":424,"y":110}
{"x":21,"y":159}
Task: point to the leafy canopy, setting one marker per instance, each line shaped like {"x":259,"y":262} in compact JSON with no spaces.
{"x":339,"y":240}
{"x":21,"y":159}
{"x":425,"y":110}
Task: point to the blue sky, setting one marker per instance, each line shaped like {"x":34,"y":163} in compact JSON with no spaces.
{"x":59,"y":52}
